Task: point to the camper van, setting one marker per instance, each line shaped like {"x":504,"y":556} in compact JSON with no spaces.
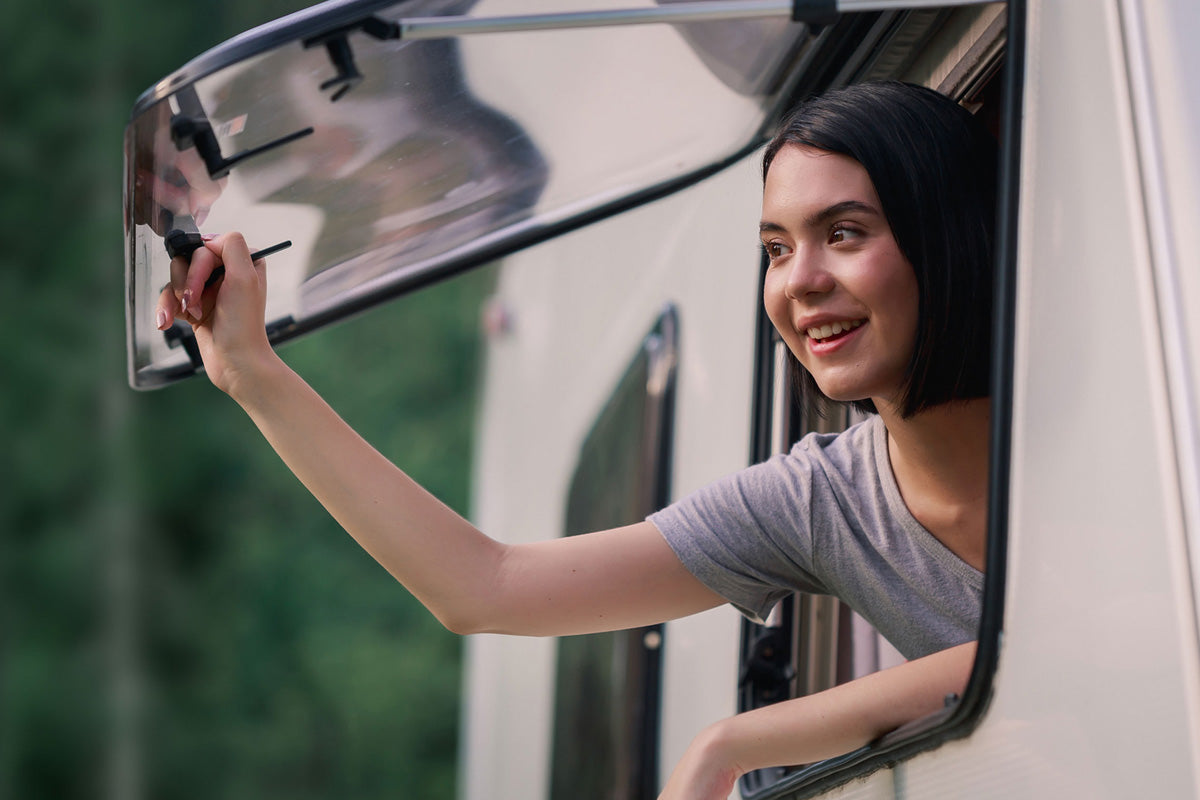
{"x":604,"y":158}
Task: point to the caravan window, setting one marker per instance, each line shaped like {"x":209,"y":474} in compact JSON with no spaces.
{"x":812,"y":643}
{"x":607,"y":685}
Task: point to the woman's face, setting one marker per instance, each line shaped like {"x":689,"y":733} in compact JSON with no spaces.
{"x":838,"y":289}
{"x":173,"y":180}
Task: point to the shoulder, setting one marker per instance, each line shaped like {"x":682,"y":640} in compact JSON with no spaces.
{"x":780,"y":491}
{"x":846,"y":477}
{"x":847,"y":453}
{"x":814,"y":463}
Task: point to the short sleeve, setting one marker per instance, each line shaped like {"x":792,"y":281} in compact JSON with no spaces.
{"x":748,"y":536}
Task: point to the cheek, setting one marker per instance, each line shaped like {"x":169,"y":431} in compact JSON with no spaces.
{"x":779,"y":311}
{"x":776,"y":304}
{"x":897,"y":290}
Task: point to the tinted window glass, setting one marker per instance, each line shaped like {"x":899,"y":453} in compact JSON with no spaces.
{"x":607,"y":690}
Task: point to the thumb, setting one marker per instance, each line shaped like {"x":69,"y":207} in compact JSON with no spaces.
{"x":231,"y":249}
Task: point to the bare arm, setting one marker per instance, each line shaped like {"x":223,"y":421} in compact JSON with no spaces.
{"x":603,"y":581}
{"x":818,"y":726}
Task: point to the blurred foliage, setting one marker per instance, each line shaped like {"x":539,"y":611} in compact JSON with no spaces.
{"x":178,"y":617}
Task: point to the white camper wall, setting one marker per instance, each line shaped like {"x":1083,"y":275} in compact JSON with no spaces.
{"x":579,"y":308}
{"x":1096,"y":690}
{"x":1166,"y":98}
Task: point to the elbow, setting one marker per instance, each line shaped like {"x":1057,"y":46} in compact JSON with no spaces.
{"x":461,"y":615}
{"x":463,"y":624}
{"x":485,"y":620}
{"x":479,"y":602}
{"x":479,"y":616}
{"x":472,"y":611}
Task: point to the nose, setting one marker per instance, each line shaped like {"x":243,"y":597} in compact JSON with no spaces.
{"x":808,"y":274}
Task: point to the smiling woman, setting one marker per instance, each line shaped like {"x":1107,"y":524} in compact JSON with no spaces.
{"x":931,"y":169}
{"x":858,"y":281}
{"x":888,"y":516}
{"x":838,"y":289}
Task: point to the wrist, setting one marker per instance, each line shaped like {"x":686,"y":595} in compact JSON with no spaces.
{"x":720,"y":746}
{"x":249,"y":381}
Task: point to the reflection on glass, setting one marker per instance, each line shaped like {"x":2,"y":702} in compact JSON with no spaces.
{"x":445,"y":153}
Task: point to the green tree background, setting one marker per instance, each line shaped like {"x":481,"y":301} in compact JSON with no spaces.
{"x":178,"y":617}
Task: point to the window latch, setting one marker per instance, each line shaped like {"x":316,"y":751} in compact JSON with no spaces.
{"x":196,"y":131}
{"x":768,"y":672}
{"x":337,"y":45}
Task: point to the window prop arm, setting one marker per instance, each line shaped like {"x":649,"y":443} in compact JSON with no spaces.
{"x":813,"y":12}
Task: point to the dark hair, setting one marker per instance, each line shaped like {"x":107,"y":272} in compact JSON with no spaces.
{"x":933,"y":166}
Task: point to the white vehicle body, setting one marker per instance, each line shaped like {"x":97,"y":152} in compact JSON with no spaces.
{"x":1096,"y":690}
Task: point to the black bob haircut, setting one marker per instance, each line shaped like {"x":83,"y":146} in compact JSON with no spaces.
{"x":934,"y":168}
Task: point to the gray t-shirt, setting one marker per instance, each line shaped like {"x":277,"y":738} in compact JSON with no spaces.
{"x":828,"y":518}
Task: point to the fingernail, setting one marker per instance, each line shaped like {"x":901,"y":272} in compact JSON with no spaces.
{"x":162,"y":319}
{"x":183,"y":303}
{"x":207,"y":237}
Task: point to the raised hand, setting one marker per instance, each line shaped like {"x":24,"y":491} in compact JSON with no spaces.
{"x":226,"y":314}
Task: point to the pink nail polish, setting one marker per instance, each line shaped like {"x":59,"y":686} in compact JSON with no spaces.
{"x":185,"y":300}
{"x":162,"y":318}
{"x":207,"y":237}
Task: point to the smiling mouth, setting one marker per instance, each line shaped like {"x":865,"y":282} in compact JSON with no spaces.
{"x":834,"y":330}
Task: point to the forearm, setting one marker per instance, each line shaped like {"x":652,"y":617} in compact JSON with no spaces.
{"x":436,"y":554}
{"x":614,"y":579}
{"x":841,"y":719}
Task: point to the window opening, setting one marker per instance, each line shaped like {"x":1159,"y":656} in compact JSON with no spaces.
{"x":811,"y":643}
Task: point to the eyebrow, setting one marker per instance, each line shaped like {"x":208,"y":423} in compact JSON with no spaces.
{"x":823,"y":216}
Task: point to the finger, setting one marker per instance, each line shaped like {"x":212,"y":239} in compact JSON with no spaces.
{"x":203,"y":262}
{"x":260,"y":269}
{"x":167,"y":309}
{"x":232,"y":251}
{"x":179,"y":271}
{"x":200,"y":309}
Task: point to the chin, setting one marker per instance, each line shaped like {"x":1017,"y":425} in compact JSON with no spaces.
{"x":852,"y":388}
{"x":841,"y":393}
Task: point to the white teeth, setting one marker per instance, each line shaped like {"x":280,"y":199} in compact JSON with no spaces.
{"x":825,"y":331}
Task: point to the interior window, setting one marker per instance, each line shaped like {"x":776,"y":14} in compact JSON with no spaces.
{"x":607,"y":689}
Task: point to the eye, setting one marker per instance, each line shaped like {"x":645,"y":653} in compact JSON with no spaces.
{"x":842,"y":232}
{"x":775,"y":249}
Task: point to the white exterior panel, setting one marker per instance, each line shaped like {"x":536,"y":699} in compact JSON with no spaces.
{"x":579,"y":307}
{"x":1095,"y":695}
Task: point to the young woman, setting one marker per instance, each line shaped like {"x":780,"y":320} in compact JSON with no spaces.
{"x":877,"y":218}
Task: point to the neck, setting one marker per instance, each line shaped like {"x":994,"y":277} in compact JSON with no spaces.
{"x":940,"y":459}
{"x":947,"y":443}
